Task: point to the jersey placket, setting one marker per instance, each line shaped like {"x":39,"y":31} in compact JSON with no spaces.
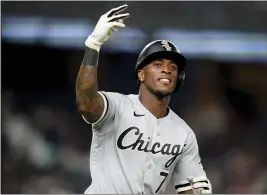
{"x":150,"y":166}
{"x":161,"y":172}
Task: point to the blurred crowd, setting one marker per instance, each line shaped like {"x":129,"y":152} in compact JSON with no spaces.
{"x":46,"y":144}
{"x":43,"y":150}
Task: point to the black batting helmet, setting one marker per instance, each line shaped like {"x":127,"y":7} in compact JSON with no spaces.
{"x":162,"y":49}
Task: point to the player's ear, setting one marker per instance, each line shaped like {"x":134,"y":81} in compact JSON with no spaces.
{"x":141,"y":75}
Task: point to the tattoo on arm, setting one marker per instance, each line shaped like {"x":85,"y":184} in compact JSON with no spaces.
{"x":89,"y":103}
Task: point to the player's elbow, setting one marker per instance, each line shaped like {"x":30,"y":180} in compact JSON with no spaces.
{"x":82,"y":105}
{"x":91,"y":109}
{"x":86,"y":112}
{"x":85,"y":103}
{"x":85,"y":107}
{"x":82,"y":108}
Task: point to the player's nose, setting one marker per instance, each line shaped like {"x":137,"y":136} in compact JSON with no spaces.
{"x":165,"y":69}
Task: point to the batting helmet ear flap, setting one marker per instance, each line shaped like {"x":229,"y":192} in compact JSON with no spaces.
{"x":180,"y":81}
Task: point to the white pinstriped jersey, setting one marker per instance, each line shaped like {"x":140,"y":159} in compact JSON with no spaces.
{"x":133,"y":152}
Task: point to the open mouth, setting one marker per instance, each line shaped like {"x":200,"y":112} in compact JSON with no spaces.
{"x":165,"y":80}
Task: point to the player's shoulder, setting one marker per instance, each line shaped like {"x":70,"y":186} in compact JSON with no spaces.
{"x":110,"y":93}
{"x":180,"y":123}
{"x":120,"y":96}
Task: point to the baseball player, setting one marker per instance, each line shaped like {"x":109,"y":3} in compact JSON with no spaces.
{"x":139,"y":144}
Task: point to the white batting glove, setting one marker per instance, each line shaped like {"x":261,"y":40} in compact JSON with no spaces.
{"x":108,"y":23}
{"x":200,"y":185}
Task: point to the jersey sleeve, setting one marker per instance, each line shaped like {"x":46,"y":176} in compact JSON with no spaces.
{"x":188,"y":165}
{"x":112,"y":103}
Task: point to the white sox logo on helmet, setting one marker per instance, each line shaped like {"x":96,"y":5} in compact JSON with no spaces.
{"x":166,"y":45}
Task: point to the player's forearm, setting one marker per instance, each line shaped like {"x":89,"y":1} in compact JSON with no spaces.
{"x":86,"y":85}
{"x":87,"y":97}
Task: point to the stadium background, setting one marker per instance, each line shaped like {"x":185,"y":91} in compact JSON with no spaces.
{"x":45,"y":143}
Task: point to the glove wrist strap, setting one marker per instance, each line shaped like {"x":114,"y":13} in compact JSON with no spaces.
{"x":90,"y":57}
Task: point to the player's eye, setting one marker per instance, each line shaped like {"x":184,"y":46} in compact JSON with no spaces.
{"x":172,"y":67}
{"x":157,"y":64}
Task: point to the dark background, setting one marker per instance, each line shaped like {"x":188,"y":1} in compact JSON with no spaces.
{"x":45,"y":143}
